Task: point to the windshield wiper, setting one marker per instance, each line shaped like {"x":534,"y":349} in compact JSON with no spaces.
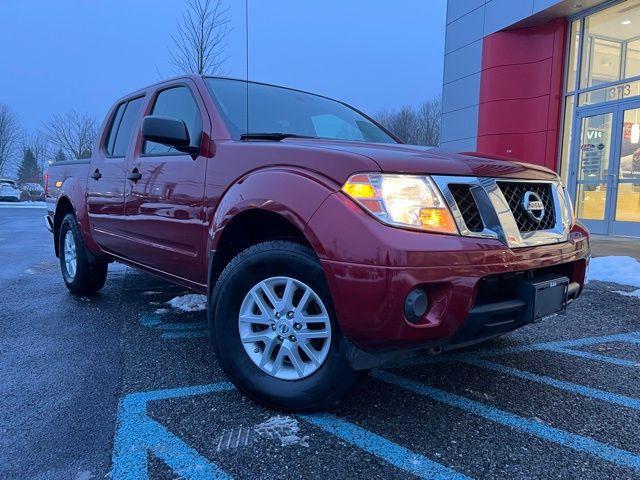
{"x":275,"y":136}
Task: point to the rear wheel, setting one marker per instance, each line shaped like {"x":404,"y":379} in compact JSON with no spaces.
{"x":275,"y":331}
{"x":81,"y":275}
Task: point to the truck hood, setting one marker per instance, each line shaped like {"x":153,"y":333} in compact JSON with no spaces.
{"x":412,"y":159}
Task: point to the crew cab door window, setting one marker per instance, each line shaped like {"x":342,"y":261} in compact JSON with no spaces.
{"x":122,"y":127}
{"x":177,"y":102}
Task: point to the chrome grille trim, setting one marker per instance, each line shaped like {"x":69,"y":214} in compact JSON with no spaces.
{"x":499,"y":221}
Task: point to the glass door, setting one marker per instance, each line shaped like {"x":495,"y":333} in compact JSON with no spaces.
{"x":625,"y":211}
{"x":592,"y":179}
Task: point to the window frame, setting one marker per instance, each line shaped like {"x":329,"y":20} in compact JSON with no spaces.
{"x":112,"y":120}
{"x":149,"y":111}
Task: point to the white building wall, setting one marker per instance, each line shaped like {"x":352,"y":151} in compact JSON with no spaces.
{"x":468,"y":22}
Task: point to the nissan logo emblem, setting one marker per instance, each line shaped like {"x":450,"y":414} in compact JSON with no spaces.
{"x":533,"y":206}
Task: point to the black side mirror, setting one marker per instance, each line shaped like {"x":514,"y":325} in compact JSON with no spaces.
{"x":168,"y":131}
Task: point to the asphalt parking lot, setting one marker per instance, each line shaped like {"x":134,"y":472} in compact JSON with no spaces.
{"x":122,"y":385}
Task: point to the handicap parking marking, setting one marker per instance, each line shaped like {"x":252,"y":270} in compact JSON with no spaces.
{"x":383,"y":448}
{"x":594,"y":356}
{"x":137,"y":434}
{"x":174,"y":330}
{"x":541,"y":430}
{"x":589,"y":392}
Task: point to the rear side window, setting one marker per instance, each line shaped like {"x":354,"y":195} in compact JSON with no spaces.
{"x":176,"y":102}
{"x":115,"y":123}
{"x":122,"y":127}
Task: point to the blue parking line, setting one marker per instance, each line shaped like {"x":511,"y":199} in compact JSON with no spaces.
{"x":546,"y":432}
{"x":384,"y":449}
{"x":593,"y":356}
{"x":183,"y":326}
{"x":184,"y":334}
{"x":632,"y":337}
{"x":138,"y":434}
{"x":589,"y":392}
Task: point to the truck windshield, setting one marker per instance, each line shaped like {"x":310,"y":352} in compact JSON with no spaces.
{"x":276,"y":113}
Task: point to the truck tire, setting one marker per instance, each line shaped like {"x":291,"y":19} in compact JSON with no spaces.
{"x":81,"y":275}
{"x":288,"y":356}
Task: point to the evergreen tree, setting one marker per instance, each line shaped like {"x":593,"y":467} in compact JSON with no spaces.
{"x":60,"y":156}
{"x":29,"y":172}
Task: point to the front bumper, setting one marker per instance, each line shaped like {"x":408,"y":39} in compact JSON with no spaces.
{"x":371,"y":268}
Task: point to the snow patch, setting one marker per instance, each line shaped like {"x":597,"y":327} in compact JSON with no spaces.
{"x":161,"y":311}
{"x":622,"y":270}
{"x":151,"y":292}
{"x":635,"y":293}
{"x":279,"y":428}
{"x":189,"y":303}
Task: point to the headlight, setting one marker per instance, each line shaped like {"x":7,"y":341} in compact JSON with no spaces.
{"x":402,"y":200}
{"x":568,"y":205}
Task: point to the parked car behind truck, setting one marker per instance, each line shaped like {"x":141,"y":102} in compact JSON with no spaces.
{"x":9,"y":191}
{"x":324,"y":245}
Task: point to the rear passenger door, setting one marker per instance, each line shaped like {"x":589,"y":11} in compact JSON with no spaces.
{"x":164,"y":203}
{"x":107,"y":172}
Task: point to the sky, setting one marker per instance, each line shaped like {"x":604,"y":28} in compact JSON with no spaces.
{"x":82,"y":55}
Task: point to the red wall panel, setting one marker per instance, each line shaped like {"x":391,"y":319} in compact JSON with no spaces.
{"x":521,"y":93}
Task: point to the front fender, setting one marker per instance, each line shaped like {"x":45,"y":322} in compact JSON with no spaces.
{"x":291,"y":193}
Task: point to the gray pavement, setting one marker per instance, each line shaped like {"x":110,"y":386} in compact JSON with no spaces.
{"x":114,"y":386}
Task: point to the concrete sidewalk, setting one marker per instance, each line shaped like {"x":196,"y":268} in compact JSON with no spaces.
{"x":603,"y":245}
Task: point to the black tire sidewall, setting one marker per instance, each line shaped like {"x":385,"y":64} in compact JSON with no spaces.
{"x":89,"y":277}
{"x":309,"y":393}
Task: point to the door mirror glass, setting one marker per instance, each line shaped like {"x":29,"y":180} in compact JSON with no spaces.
{"x":168,"y":131}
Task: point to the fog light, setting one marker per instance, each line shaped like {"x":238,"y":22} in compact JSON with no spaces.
{"x":416,"y":305}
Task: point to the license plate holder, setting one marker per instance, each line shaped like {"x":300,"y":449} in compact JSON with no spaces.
{"x":545,"y":296}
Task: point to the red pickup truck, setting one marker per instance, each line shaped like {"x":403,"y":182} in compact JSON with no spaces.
{"x":325,"y":246}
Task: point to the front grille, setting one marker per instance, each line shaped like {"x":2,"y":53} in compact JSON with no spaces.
{"x":467,"y":206}
{"x":514,"y":193}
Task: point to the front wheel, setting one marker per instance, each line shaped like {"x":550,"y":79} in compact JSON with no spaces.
{"x":275,"y":331}
{"x":81,"y":275}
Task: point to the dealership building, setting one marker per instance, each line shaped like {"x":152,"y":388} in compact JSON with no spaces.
{"x":556,"y":83}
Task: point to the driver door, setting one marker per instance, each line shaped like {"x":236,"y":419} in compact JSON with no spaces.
{"x":165,"y":191}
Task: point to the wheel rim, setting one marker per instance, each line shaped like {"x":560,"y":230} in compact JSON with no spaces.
{"x":70,"y":258}
{"x":285,"y":328}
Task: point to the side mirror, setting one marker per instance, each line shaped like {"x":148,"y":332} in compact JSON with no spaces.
{"x":168,"y":131}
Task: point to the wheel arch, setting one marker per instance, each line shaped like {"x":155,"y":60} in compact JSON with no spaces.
{"x":274,"y":204}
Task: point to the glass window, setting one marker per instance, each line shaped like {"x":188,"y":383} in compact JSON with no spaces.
{"x":628,"y":193}
{"x":115,"y":124}
{"x":176,"y":102}
{"x":565,"y":161}
{"x":126,"y":127}
{"x":632,"y":67}
{"x":281,"y":110}
{"x":610,"y":44}
{"x":572,"y":68}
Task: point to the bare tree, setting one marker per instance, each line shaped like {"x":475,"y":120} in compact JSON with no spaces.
{"x":430,"y":118}
{"x":74,"y":133}
{"x":201,"y":40}
{"x":416,"y":126}
{"x":9,"y":138}
{"x":39,"y":145}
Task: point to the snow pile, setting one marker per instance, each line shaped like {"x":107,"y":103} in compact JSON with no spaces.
{"x":635,"y":293}
{"x":189,"y":303}
{"x":622,"y":270}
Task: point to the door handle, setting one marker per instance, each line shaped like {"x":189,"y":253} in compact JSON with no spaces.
{"x":135,"y":175}
{"x":96,"y":175}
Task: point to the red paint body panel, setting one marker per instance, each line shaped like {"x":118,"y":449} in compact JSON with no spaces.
{"x":171,"y":221}
{"x":371,"y":269}
{"x":521,"y":93}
